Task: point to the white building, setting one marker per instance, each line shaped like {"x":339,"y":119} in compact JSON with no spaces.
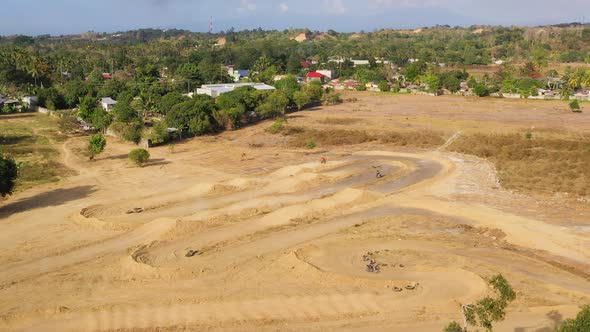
{"x":327,"y":73}
{"x":107,"y":103}
{"x":214,"y":90}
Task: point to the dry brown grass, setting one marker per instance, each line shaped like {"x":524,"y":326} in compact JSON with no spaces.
{"x":301,"y":136}
{"x":420,"y":139}
{"x":334,"y":137}
{"x":538,"y":165}
{"x":339,"y":121}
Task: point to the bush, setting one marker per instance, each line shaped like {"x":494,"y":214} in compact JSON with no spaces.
{"x":160,"y":133}
{"x":333,"y":99}
{"x":384,"y":86}
{"x":481,"y":90}
{"x":96,"y":145}
{"x":575,"y":106}
{"x":8,"y":173}
{"x":310,"y":144}
{"x":130,"y":132}
{"x":453,"y":327}
{"x":139,"y":156}
{"x":277,"y":126}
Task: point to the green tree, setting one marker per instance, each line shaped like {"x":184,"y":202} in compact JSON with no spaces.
{"x":384,"y":86}
{"x":453,"y":327}
{"x":289,"y":86}
{"x":8,"y":174}
{"x":169,"y":100}
{"x":160,"y":133}
{"x":433,"y":82}
{"x":139,"y":156}
{"x":274,"y":105}
{"x":415,"y":70}
{"x":579,"y":324}
{"x":124,"y":112}
{"x":96,"y":145}
{"x":301,"y":99}
{"x":489,"y":309}
{"x":193,"y":116}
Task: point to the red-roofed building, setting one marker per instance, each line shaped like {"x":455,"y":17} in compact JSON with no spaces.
{"x":106,"y":76}
{"x":315,"y":76}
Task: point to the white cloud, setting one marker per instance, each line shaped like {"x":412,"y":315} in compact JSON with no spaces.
{"x":247,"y":6}
{"x":283,"y":7}
{"x":335,"y":6}
{"x":380,"y":4}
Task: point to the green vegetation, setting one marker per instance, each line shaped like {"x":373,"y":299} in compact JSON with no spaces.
{"x":575,"y":106}
{"x":311,"y":144}
{"x":139,"y":156}
{"x":578,"y":324}
{"x":277,"y":126}
{"x":96,"y":145}
{"x":8,"y":174}
{"x":31,"y":141}
{"x":489,"y":309}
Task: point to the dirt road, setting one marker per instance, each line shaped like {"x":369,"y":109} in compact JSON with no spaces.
{"x":282,"y":242}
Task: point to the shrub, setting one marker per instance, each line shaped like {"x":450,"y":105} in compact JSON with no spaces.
{"x":528,"y":135}
{"x":453,"y":327}
{"x":333,"y":99}
{"x":310,"y":144}
{"x":575,"y":106}
{"x":8,"y":173}
{"x":96,"y":145}
{"x":139,"y":156}
{"x":277,"y":126}
{"x":384,"y":86}
{"x":160,"y":133}
{"x":130,"y":132}
{"x":481,"y":90}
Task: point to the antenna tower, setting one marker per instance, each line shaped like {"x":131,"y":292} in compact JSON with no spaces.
{"x":210,"y":24}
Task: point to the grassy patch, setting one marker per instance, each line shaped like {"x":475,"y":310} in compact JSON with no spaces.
{"x":30,"y":140}
{"x":277,"y":126}
{"x":536,"y":165}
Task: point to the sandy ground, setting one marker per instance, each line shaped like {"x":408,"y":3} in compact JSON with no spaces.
{"x":283,"y":236}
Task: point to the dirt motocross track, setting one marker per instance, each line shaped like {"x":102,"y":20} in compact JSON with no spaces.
{"x":282,"y":242}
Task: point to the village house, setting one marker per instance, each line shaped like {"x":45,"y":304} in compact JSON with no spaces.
{"x":107,"y":103}
{"x":315,"y":76}
{"x":214,"y":90}
{"x":237,"y":74}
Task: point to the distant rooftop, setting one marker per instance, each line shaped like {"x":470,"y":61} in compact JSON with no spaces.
{"x":215,"y":90}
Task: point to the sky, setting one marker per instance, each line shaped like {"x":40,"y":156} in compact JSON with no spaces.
{"x":56,"y":17}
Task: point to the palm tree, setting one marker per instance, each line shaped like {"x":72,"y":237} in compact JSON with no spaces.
{"x":33,"y":68}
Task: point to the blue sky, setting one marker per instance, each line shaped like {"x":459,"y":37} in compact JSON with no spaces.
{"x":75,"y":16}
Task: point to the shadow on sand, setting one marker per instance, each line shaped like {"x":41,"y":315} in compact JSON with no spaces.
{"x":555,"y":317}
{"x":51,"y":198}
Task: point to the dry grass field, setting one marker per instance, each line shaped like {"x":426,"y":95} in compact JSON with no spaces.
{"x":472,"y":187}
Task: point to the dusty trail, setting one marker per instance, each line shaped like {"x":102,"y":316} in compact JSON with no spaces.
{"x":298,"y":261}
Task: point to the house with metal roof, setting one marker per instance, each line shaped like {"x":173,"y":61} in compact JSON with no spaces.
{"x":214,"y":90}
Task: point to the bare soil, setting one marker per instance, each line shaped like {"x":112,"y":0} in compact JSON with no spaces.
{"x":282,"y":237}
